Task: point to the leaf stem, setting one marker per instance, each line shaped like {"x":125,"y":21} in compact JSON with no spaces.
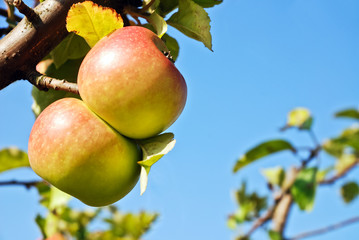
{"x":27,"y":184}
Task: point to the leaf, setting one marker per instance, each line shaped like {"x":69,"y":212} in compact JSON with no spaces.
{"x":153,"y":149}
{"x":349,"y":191}
{"x":193,"y":21}
{"x":72,"y":47}
{"x":273,"y":235}
{"x":347,"y":142}
{"x":348,"y":113}
{"x":172,"y":45}
{"x":262,"y":150}
{"x":150,"y":8}
{"x":92,"y":22}
{"x":158,"y":23}
{"x":13,"y":157}
{"x":345,"y":161}
{"x":208,"y":3}
{"x":43,"y":99}
{"x":166,"y":6}
{"x":300,"y":118}
{"x":40,"y":221}
{"x":249,"y":204}
{"x":321,"y":174}
{"x":274,"y":176}
{"x":303,"y":189}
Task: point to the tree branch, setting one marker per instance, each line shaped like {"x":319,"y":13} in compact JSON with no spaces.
{"x":326,"y":229}
{"x":334,"y":178}
{"x":44,"y":83}
{"x":29,"y":42}
{"x":24,"y":9}
{"x":27,"y":185}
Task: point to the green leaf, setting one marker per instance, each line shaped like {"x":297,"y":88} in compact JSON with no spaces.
{"x":43,"y":99}
{"x":273,"y":235}
{"x":158,"y":23}
{"x":303,"y":189}
{"x":166,"y":6}
{"x":349,"y":191}
{"x":172,"y":45}
{"x":274,"y":176}
{"x":13,"y":157}
{"x":40,"y":221}
{"x":347,"y":142}
{"x":249,"y":205}
{"x":193,"y":21}
{"x":129,"y":225}
{"x":348,"y":113}
{"x":300,"y":118}
{"x":208,"y":3}
{"x":72,"y":47}
{"x":153,"y":149}
{"x":92,"y":22}
{"x":262,"y":150}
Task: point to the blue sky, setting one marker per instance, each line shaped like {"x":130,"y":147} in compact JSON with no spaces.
{"x":269,"y":57}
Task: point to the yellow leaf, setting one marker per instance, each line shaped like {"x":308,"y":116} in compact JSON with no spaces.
{"x":92,"y":22}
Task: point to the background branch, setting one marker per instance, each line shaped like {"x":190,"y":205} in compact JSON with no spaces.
{"x":326,"y":229}
{"x":27,"y":185}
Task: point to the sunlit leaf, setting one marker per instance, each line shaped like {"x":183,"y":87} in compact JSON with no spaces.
{"x":193,"y":21}
{"x":349,"y":113}
{"x":262,"y":150}
{"x":158,"y":23}
{"x":345,"y":161}
{"x":274,"y":176}
{"x":172,"y":45}
{"x":150,"y":5}
{"x":92,"y":22}
{"x":13,"y":157}
{"x":72,"y":47}
{"x":153,"y":149}
{"x":349,"y":191}
{"x":43,"y":99}
{"x":300,"y":118}
{"x":321,"y":174}
{"x":303,"y":189}
{"x":347,"y":142}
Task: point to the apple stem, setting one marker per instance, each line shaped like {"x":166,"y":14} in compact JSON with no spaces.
{"x":43,"y":82}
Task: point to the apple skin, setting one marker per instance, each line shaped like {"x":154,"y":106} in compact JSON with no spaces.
{"x":80,"y":154}
{"x":127,"y":81}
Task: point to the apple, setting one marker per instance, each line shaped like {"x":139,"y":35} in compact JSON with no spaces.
{"x":80,"y":154}
{"x":128,"y":81}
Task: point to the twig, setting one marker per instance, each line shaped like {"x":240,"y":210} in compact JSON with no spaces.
{"x":260,"y":221}
{"x":29,"y":13}
{"x":326,"y":229}
{"x":27,"y":185}
{"x":4,"y":13}
{"x":44,"y":83}
{"x":334,"y":178}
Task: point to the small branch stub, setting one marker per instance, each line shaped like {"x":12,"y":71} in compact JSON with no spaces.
{"x":29,"y":13}
{"x":44,"y":83}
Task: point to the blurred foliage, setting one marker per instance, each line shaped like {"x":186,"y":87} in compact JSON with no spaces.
{"x":299,"y":180}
